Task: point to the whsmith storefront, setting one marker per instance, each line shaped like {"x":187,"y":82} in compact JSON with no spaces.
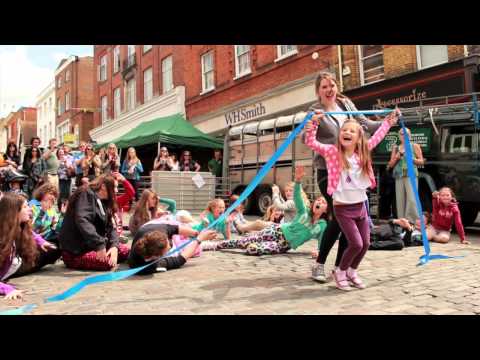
{"x":450,"y":146}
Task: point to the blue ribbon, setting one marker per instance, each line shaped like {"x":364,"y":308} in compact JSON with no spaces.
{"x":119,"y":275}
{"x":413,"y":182}
{"x":20,"y":310}
{"x":476,"y":114}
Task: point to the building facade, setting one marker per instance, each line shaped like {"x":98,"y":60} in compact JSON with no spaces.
{"x":21,"y":127}
{"x":134,"y":84}
{"x":46,"y":116}
{"x":377,"y":76}
{"x":3,"y":134}
{"x":232,"y":84}
{"x":74,"y":99}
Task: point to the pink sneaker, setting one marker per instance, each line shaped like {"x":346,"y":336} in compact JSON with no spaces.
{"x":355,"y":280}
{"x":341,"y":281}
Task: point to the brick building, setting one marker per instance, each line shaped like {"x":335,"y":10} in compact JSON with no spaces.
{"x":385,"y":75}
{"x":232,"y":84}
{"x":21,"y":126}
{"x":134,"y":84}
{"x":75,"y":101}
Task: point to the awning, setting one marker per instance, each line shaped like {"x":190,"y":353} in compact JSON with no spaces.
{"x":174,"y":129}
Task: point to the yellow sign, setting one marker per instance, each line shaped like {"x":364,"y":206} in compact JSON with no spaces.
{"x":69,"y":138}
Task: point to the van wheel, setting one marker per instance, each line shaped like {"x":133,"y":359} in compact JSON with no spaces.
{"x":264,"y":199}
{"x":469,"y":213}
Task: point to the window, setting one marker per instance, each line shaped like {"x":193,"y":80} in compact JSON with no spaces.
{"x":431,"y":55}
{"x":242,"y":60}
{"x":67,"y":76}
{"x":207,"y":72}
{"x":50,"y":131}
{"x":459,"y":139}
{"x":146,"y":48}
{"x":76,"y":132}
{"x":147,"y":85}
{"x":131,"y":55}
{"x":116,"y":102}
{"x":67,"y":101}
{"x":104,"y":104}
{"x":284,"y":51}
{"x":371,"y":63}
{"x":49,"y":104}
{"x":45,"y":135}
{"x":167,"y":74}
{"x":59,"y":107}
{"x":62,"y":130}
{"x":116,"y":59}
{"x":103,"y":68}
{"x":130,"y":95}
{"x":59,"y":82}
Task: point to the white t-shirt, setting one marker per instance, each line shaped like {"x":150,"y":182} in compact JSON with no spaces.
{"x":353,"y":183}
{"x":340,"y":118}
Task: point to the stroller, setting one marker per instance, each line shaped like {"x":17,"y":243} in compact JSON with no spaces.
{"x":14,"y":181}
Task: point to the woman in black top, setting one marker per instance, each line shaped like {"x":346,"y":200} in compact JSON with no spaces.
{"x":154,"y":240}
{"x":11,"y":155}
{"x":88,"y":238}
{"x":187,"y":163}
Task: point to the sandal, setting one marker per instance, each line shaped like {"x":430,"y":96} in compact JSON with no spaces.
{"x":341,"y":280}
{"x":356,"y":281}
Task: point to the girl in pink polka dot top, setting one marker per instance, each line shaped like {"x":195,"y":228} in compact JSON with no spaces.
{"x":350,"y":173}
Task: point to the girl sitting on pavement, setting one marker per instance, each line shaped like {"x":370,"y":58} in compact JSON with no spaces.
{"x":153,"y":241}
{"x":445,"y":213}
{"x":184,"y":218}
{"x":147,"y":209}
{"x":47,"y":221}
{"x":350,"y":173}
{"x":21,"y":250}
{"x":288,"y":206}
{"x":88,"y":238}
{"x":279,"y":238}
{"x":240,"y":225}
{"x":214,"y":210}
{"x":274,"y":215}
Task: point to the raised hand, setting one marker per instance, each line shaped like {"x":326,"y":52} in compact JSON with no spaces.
{"x":299,"y":173}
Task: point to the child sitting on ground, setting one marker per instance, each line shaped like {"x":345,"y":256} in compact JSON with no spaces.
{"x":274,"y":215}
{"x":240,"y":225}
{"x":185,"y":218}
{"x":309,"y":223}
{"x":47,"y":221}
{"x":288,"y":206}
{"x":445,"y":213}
{"x":214,"y":210}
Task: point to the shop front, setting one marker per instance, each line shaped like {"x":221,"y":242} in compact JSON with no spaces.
{"x":411,"y":90}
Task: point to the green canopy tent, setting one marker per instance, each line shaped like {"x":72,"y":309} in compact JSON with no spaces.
{"x":174,"y":129}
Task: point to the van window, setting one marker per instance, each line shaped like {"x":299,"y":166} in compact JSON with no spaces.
{"x":460,"y":139}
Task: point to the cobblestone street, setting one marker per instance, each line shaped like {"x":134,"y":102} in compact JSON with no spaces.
{"x":229,"y":282}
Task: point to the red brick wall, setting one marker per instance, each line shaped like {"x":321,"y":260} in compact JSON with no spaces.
{"x":151,"y":58}
{"x":82,"y":95}
{"x":397,"y":59}
{"x":266,"y":73}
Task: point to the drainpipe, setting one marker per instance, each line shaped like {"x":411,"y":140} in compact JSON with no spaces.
{"x":340,"y":67}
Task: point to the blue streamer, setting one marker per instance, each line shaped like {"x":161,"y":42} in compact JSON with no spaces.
{"x":476,"y":114}
{"x":119,"y":275}
{"x":412,"y":177}
{"x":20,"y":310}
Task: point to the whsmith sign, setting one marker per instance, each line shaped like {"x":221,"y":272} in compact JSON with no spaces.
{"x":245,"y":114}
